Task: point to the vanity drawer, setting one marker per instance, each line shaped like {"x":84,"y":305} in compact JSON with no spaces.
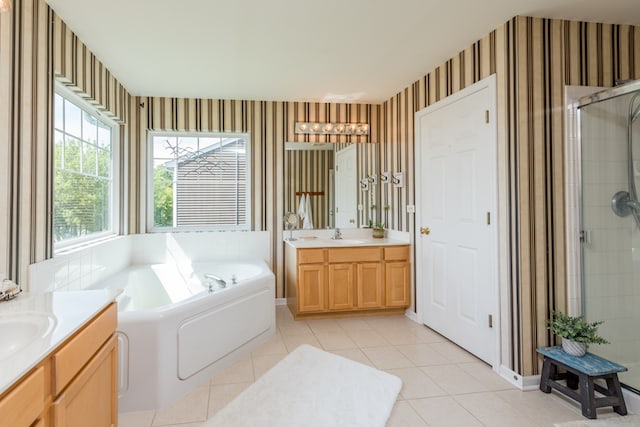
{"x":24,"y":404}
{"x":396,"y":253}
{"x":355,"y":254}
{"x":310,"y":256}
{"x":68,"y":361}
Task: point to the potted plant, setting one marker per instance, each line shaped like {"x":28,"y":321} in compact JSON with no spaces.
{"x":378,"y":228}
{"x":576,"y":333}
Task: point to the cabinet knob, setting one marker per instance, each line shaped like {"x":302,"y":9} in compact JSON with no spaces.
{"x":352,"y":221}
{"x":425,"y":230}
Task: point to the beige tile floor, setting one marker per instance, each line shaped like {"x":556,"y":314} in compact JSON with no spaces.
{"x":443,"y":385}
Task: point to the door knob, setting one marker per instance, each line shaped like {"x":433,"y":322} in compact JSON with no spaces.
{"x":425,"y":230}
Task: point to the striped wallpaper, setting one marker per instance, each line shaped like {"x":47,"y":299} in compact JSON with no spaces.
{"x":26,"y":96}
{"x":532,"y":58}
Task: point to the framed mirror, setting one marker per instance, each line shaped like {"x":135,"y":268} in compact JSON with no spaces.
{"x":336,"y":182}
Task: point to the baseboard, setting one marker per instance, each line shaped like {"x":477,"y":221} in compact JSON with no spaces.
{"x":281,"y":301}
{"x":632,"y":401}
{"x":411,"y":315}
{"x":524,"y":383}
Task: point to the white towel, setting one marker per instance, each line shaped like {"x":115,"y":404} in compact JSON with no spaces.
{"x":308,"y":218}
{"x":302,"y":206}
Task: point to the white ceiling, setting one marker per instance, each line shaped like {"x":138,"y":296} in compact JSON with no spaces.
{"x":297,"y":50}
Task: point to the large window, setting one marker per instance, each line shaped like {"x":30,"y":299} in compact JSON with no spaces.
{"x":84,"y":171}
{"x":199,"y":181}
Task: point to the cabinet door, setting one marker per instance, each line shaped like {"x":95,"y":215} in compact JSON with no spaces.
{"x":369,"y":285}
{"x":311,"y":288}
{"x":341,"y":282}
{"x":24,"y":404}
{"x":91,"y":399}
{"x":397,"y":277}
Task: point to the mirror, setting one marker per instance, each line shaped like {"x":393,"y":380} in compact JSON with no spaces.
{"x":338,"y":183}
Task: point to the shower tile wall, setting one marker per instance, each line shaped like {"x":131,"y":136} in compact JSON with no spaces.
{"x":612,"y":253}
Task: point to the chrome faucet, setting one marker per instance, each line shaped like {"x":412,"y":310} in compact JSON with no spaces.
{"x":216,"y":279}
{"x":337,"y":234}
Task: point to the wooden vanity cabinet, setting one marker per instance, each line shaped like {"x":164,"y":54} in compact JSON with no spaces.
{"x":84,"y":376}
{"x":76,"y":385}
{"x":24,"y":405}
{"x":340,"y":285}
{"x":369,"y":285}
{"x":397,"y":276}
{"x":347,"y":280}
{"x":91,"y":399}
{"x":313,"y":288}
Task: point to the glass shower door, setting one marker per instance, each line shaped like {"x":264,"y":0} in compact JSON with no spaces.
{"x":611,"y":243}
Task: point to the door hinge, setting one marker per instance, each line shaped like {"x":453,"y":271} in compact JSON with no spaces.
{"x":486,"y":116}
{"x":488,"y":218}
{"x":491,"y":320}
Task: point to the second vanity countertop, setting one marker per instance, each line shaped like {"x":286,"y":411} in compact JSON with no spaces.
{"x":355,"y":241}
{"x":35,"y":324}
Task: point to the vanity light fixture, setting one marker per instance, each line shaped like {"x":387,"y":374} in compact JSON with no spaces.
{"x":5,"y":5}
{"x":309,"y":128}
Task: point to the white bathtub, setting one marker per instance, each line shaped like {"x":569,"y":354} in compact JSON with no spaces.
{"x":174,"y":333}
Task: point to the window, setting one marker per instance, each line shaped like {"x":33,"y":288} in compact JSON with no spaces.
{"x":84,"y":172}
{"x":199,"y":181}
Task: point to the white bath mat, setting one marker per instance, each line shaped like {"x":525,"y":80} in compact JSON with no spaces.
{"x":311,"y":387}
{"x":615,"y":421}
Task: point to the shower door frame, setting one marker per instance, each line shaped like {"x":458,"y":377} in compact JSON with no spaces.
{"x":573,"y":194}
{"x":573,"y":197}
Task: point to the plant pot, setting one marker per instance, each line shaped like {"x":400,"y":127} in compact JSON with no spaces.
{"x":377,"y":233}
{"x":574,"y":348}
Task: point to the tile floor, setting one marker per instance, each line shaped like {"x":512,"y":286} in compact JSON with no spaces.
{"x":443,"y":385}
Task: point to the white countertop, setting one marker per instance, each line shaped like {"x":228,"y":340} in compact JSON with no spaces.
{"x":316,"y":242}
{"x":56,"y":315}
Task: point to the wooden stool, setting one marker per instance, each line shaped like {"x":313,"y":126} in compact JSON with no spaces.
{"x":580,"y":373}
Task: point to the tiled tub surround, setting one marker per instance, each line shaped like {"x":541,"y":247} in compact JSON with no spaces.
{"x":81,"y":268}
{"x":63,"y":312}
{"x":173,"y":332}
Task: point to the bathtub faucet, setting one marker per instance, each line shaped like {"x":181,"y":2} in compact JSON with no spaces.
{"x":216,"y":279}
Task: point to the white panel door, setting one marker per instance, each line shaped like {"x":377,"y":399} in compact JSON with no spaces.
{"x":346,"y":187}
{"x":457,"y":185}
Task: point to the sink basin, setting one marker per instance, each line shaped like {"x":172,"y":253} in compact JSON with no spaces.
{"x":19,"y":330}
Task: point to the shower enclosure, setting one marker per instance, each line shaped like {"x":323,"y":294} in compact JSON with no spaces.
{"x":610,"y":217}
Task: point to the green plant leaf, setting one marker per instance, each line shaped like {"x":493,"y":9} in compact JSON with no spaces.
{"x":575,"y":328}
